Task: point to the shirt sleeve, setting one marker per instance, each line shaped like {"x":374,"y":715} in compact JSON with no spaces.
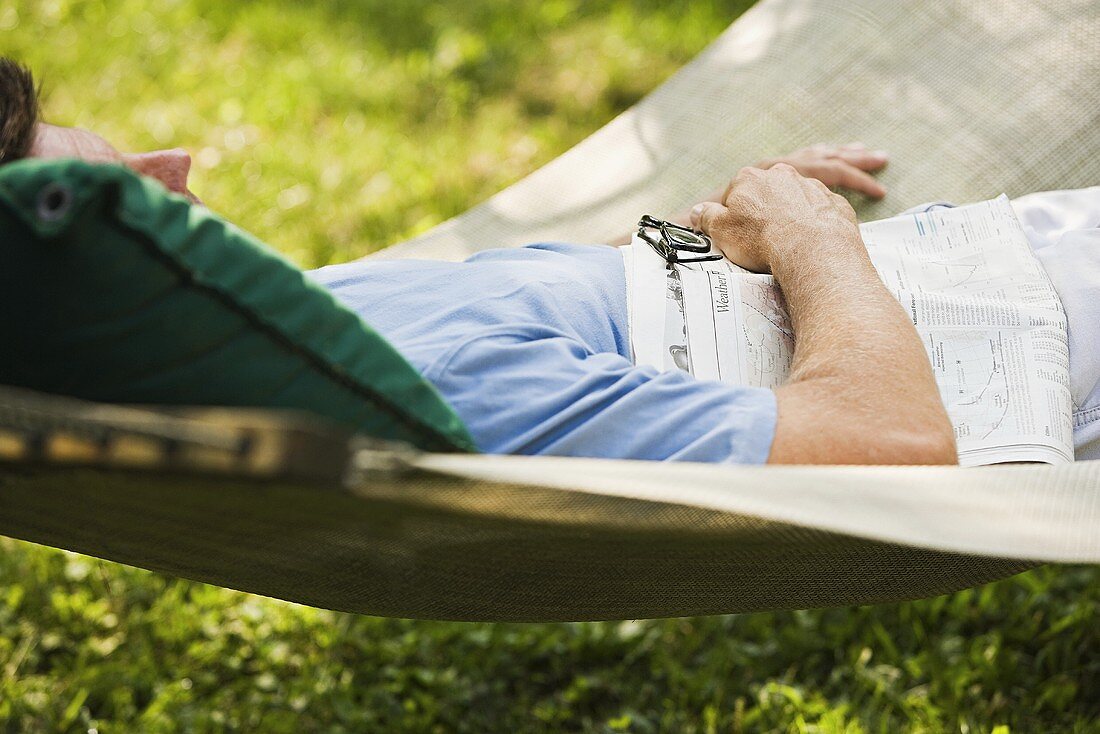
{"x":549,"y":394}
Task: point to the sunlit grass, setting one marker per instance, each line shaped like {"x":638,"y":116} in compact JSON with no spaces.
{"x":331,"y":129}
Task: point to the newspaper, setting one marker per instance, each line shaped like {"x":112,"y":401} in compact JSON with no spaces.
{"x":990,"y":319}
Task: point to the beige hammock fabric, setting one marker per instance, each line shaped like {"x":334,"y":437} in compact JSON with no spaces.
{"x":971,"y":99}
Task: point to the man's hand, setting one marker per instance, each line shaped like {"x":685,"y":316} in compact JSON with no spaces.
{"x":837,"y":166}
{"x":765,"y":213}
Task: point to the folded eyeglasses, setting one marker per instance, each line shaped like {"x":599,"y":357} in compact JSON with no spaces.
{"x":675,"y":239}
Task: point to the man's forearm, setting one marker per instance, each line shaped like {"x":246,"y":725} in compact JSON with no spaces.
{"x":861,"y":383}
{"x":861,"y":389}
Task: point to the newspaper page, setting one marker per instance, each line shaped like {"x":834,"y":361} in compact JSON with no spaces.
{"x":990,"y":319}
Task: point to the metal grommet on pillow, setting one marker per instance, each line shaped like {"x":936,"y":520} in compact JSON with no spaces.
{"x":54,"y":201}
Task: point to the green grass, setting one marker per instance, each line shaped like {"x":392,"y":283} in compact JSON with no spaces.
{"x":389,"y":116}
{"x":87,"y":643}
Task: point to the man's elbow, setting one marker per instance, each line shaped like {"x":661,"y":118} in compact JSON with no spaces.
{"x":865,"y":443}
{"x":817,"y":426}
{"x":932,"y":445}
{"x":927,"y":446}
{"x":916,"y":433}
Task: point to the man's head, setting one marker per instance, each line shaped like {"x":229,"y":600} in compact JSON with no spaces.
{"x":18,"y":111}
{"x":24,"y":135}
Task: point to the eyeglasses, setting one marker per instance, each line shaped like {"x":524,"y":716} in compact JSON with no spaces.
{"x":675,"y":239}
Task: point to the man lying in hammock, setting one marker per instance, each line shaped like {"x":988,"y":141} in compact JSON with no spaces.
{"x":531,"y":345}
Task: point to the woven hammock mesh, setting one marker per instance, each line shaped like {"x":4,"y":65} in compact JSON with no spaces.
{"x":970,"y":98}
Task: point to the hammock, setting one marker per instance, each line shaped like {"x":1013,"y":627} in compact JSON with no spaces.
{"x":971,"y":98}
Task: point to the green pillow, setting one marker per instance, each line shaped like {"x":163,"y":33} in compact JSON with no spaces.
{"x":112,"y":289}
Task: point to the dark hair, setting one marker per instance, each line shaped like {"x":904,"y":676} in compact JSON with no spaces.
{"x":18,"y":110}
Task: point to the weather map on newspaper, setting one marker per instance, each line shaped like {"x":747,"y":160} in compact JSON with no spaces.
{"x":972,"y":371}
{"x":990,"y":319}
{"x":766,"y":330}
{"x":723,"y":300}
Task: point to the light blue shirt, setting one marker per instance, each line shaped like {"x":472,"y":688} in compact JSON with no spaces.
{"x":531,"y":347}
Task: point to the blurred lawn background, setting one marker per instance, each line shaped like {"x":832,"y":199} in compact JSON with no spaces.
{"x":332,"y":129}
